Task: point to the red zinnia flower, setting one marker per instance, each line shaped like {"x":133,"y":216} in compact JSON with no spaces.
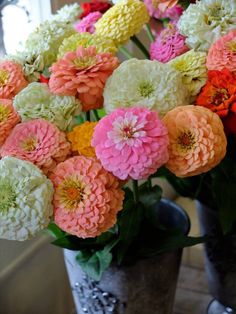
{"x":93,"y":6}
{"x":219,"y":93}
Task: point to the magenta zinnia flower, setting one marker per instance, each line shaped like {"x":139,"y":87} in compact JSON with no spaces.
{"x":87,"y":23}
{"x":168,"y":44}
{"x":131,"y":143}
{"x":87,"y":198}
{"x":39,"y":142}
{"x":83,"y":74}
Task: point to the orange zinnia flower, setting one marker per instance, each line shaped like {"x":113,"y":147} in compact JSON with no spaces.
{"x":219,"y":93}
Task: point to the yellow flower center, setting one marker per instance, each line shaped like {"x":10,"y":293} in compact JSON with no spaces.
{"x":4,"y":76}
{"x":29,"y":144}
{"x":146,"y":89}
{"x":186,"y":140}
{"x":220,"y":96}
{"x":155,"y":3}
{"x":232,"y":46}
{"x":4,"y":113}
{"x":214,"y":14}
{"x":71,"y":192}
{"x":84,"y":62}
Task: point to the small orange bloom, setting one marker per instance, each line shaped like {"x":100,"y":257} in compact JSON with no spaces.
{"x":219,"y":93}
{"x":80,"y":138}
{"x":166,"y":4}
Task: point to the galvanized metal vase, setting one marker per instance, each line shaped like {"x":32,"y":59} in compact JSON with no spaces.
{"x":220,"y":262}
{"x":147,"y":287}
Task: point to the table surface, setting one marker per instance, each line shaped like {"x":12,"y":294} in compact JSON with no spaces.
{"x":192,"y":296}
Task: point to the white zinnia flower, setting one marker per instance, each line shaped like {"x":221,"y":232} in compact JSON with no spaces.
{"x":206,"y":21}
{"x":36,"y":101}
{"x":25,"y":199}
{"x":145,"y":83}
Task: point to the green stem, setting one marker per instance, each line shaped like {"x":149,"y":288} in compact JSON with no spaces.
{"x":88,"y":118}
{"x":135,"y":190}
{"x":149,"y":183}
{"x":126,"y":52}
{"x":96,"y":114}
{"x":149,"y":33}
{"x":140,"y":45}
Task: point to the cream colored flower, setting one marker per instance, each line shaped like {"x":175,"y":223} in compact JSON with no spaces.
{"x":47,"y":38}
{"x":25,"y":199}
{"x":206,"y":21}
{"x":145,"y":83}
{"x":192,"y":67}
{"x":102,"y":44}
{"x":36,"y":101}
{"x":123,"y":20}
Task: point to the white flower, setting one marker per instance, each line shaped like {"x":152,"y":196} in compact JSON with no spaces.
{"x":145,"y":83}
{"x":25,"y":199}
{"x":36,"y":101}
{"x":68,"y":13}
{"x":206,"y":21}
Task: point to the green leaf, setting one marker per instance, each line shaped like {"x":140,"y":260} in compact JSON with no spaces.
{"x":75,"y":244}
{"x":150,"y":197}
{"x":129,"y":222}
{"x":79,"y":119}
{"x":101,"y":113}
{"x":171,"y":242}
{"x":55,"y":231}
{"x":94,"y":264}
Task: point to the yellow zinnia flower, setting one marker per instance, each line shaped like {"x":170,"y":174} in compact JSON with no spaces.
{"x":102,"y":44}
{"x":122,"y":21}
{"x":80,"y":138}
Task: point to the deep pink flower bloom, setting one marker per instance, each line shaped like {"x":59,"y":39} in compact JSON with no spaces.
{"x":131,"y":143}
{"x":168,"y":45}
{"x":86,"y":25}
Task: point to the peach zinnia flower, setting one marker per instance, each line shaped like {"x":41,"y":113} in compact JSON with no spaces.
{"x":8,"y":119}
{"x":12,"y":79}
{"x":83,"y":74}
{"x":222,"y":53}
{"x":87,"y":198}
{"x":81,"y":137}
{"x":39,"y":142}
{"x":219,"y":93}
{"x":197,"y":140}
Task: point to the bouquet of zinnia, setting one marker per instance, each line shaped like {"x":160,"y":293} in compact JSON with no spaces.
{"x":76,"y":124}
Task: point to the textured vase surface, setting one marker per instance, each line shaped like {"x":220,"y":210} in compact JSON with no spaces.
{"x":220,"y":258}
{"x":146,"y":287}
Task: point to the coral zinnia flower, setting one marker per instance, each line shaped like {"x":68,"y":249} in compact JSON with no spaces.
{"x":219,"y":93}
{"x":83,"y":74}
{"x":131,"y":143}
{"x":80,"y":138}
{"x":222,"y":53}
{"x":87,"y":198}
{"x":38,"y":141}
{"x":168,"y":45}
{"x":8,"y":119}
{"x":197,"y":140}
{"x":11,"y":79}
{"x":123,"y":20}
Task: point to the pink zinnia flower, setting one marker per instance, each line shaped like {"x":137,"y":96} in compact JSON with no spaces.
{"x":154,"y":10}
{"x":83,"y":74}
{"x":8,"y":119}
{"x":12,"y":79}
{"x":87,"y":198}
{"x":222,"y":53}
{"x":38,"y":141}
{"x":131,"y":143}
{"x":168,"y":45}
{"x":87,"y":23}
